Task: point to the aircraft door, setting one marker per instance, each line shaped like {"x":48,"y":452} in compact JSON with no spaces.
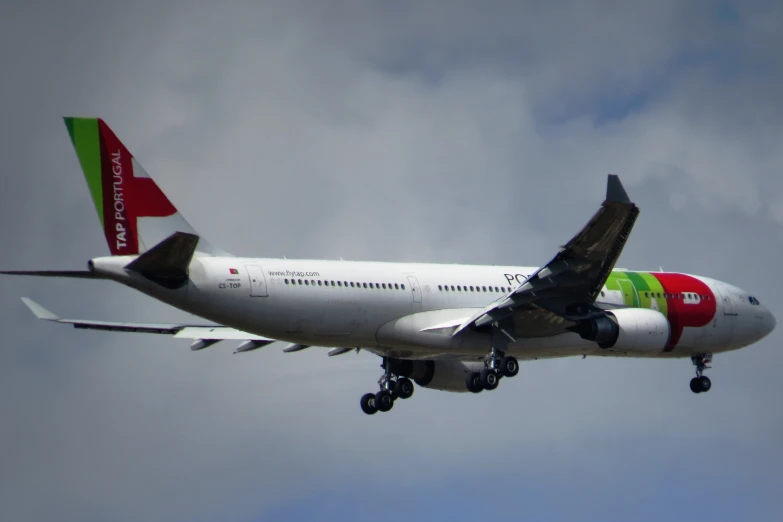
{"x":257,"y":281}
{"x":415,"y":289}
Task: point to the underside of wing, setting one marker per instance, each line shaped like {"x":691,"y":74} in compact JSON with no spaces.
{"x":565,"y":289}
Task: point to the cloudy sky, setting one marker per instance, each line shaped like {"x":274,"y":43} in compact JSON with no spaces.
{"x":403,"y":131}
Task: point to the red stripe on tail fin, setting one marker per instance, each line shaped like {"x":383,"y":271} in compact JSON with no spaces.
{"x":125,"y":196}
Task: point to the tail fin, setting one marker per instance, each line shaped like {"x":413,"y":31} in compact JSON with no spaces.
{"x":136,"y":215}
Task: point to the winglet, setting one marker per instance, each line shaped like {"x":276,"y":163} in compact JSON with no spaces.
{"x":615,"y":191}
{"x":39,"y":311}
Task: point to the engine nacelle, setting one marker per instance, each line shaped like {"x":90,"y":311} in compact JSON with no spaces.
{"x":439,"y":375}
{"x":634,"y":331}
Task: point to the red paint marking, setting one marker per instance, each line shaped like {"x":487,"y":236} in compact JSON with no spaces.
{"x":126,"y":197}
{"x":682,"y":313}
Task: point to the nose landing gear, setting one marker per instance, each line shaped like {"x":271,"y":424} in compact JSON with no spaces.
{"x":392,"y":386}
{"x":701,"y":383}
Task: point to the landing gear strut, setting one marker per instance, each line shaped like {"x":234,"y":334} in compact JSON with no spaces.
{"x":496,"y":365}
{"x":392,"y":387}
{"x":701,"y":383}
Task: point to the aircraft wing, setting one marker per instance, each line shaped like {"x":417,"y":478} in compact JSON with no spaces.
{"x":565,"y":289}
{"x":205,"y":335}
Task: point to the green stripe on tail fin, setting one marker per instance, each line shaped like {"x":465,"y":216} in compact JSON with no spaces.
{"x":86,"y":141}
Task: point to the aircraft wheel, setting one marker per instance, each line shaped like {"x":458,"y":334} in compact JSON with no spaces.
{"x":368,"y":403}
{"x":705,"y":383}
{"x":473,"y":382}
{"x":509,"y":366}
{"x":489,"y":379}
{"x":384,"y":401}
{"x":404,"y":388}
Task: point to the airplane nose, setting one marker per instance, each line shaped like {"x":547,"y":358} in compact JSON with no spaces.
{"x":769,"y":323}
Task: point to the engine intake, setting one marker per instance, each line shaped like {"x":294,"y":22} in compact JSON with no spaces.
{"x":635,"y":331}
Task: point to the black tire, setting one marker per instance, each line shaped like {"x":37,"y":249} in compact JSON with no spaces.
{"x":509,"y":366}
{"x":704,"y":384}
{"x":404,"y":388}
{"x":473,"y":382}
{"x":368,"y":403}
{"x":695,"y":385}
{"x":384,"y":401}
{"x":489,"y":379}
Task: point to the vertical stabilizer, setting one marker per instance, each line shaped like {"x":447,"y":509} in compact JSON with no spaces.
{"x":136,"y":215}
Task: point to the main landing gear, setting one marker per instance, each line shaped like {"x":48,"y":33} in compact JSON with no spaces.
{"x":701,"y":383}
{"x":392,"y":386}
{"x":495,"y":368}
{"x":496,"y":364}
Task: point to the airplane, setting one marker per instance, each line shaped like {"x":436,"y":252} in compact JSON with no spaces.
{"x":457,"y":328}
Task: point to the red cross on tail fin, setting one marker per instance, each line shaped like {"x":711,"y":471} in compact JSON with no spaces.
{"x":136,"y":215}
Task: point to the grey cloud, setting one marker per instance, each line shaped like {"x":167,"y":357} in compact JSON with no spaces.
{"x":393,"y":131}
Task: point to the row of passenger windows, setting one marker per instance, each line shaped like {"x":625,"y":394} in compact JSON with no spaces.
{"x":461,"y":288}
{"x":346,"y":284}
{"x":665,"y":295}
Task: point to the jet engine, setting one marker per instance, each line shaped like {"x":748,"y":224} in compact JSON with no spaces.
{"x":439,"y":375}
{"x":634,"y":331}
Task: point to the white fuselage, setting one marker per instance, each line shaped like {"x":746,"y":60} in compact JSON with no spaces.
{"x":395,"y":308}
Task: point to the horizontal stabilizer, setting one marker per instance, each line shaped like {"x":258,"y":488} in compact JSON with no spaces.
{"x":167,"y":262}
{"x":205,"y":334}
{"x":80,"y":274}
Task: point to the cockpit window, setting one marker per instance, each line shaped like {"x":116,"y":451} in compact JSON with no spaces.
{"x":753,"y":300}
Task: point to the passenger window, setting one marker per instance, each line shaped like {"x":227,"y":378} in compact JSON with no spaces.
{"x":497,"y":289}
{"x":351,"y":284}
{"x":339,"y":283}
{"x":300,"y":281}
{"x":659,"y":295}
{"x":402,"y":286}
{"x":286,"y":281}
{"x":440,"y":287}
{"x":603,"y":294}
{"x":459,"y":288}
{"x":452,"y":288}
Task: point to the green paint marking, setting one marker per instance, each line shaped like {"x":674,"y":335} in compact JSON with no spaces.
{"x":69,"y":124}
{"x":630,"y":296}
{"x":639,"y":290}
{"x":655,"y":288}
{"x":84,"y":135}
